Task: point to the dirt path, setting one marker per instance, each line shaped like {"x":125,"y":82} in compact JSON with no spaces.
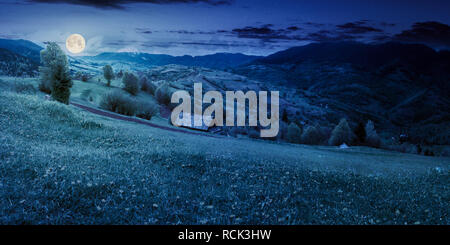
{"x":131,"y":119}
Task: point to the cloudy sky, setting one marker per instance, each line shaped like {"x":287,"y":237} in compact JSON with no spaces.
{"x":198,"y":27}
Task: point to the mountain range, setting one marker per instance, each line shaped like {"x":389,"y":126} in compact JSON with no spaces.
{"x":401,"y":87}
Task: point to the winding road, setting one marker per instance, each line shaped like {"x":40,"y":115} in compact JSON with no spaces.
{"x":131,"y":119}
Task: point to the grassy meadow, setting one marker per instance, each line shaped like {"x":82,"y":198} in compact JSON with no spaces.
{"x":62,"y":165}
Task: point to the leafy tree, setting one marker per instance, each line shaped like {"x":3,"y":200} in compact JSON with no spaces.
{"x":108,"y":73}
{"x":311,"y":136}
{"x":372,"y":138}
{"x":120,"y":74}
{"x":84,"y":77}
{"x":131,"y":83}
{"x":54,"y":73}
{"x":341,"y":134}
{"x":293,"y":133}
{"x":162,"y":94}
{"x":147,"y":86}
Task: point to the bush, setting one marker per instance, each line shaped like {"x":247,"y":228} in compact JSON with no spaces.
{"x":311,"y":136}
{"x":84,"y":77}
{"x":372,"y":138}
{"x":131,"y":83}
{"x":108,"y":73}
{"x":147,"y":86}
{"x":146,"y":109}
{"x":293,"y":133}
{"x":44,"y":86}
{"x":162,"y":94}
{"x":55,"y":75}
{"x":118,"y":102}
{"x":341,"y":134}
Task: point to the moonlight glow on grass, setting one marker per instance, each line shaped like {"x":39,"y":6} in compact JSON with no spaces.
{"x":75,"y":43}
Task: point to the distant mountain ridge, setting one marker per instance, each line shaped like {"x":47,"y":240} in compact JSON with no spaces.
{"x":401,"y":87}
{"x":22,"y":47}
{"x":213,"y":61}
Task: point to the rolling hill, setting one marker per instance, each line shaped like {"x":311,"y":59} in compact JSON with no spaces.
{"x":401,"y":87}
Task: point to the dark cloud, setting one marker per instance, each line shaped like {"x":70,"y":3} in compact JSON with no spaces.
{"x":119,"y":4}
{"x":386,"y":24}
{"x":328,"y":36}
{"x":144,"y":30}
{"x":358,"y":27}
{"x":432,"y":33}
{"x":192,"y":32}
{"x":293,"y":28}
{"x":314,"y":24}
{"x":265,"y":32}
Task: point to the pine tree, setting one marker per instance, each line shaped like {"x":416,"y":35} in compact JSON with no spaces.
{"x":372,"y":138}
{"x":293,"y":133}
{"x":311,"y":136}
{"x":341,"y":134}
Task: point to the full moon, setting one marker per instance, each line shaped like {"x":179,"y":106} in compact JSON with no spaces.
{"x":75,"y":43}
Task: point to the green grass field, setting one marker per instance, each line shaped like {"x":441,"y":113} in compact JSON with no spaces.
{"x":61,"y":165}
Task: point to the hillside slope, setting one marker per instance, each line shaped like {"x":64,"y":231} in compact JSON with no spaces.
{"x":63,"y":166}
{"x":12,"y":64}
{"x":401,"y":87}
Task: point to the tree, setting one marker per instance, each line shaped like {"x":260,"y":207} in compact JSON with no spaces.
{"x":341,"y":134}
{"x":84,"y":77}
{"x":311,"y":136}
{"x":147,"y":86}
{"x":120,"y":74}
{"x":293,"y":133}
{"x":144,"y":84}
{"x":162,"y":94}
{"x":108,"y":73}
{"x":372,"y":138}
{"x":55,"y":74}
{"x":131,"y":83}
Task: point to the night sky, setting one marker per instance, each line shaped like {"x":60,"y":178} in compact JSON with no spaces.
{"x":198,"y":27}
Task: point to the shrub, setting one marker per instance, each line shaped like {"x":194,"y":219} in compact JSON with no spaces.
{"x":147,"y":86}
{"x":55,"y":73}
{"x":293,"y":133}
{"x":162,"y":94}
{"x":120,"y":74}
{"x":118,"y":102}
{"x":146,"y":109}
{"x":108,"y":73}
{"x":84,"y":77}
{"x":44,"y":86}
{"x":372,"y":138}
{"x":341,"y":134}
{"x":311,"y":136}
{"x":131,"y":83}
